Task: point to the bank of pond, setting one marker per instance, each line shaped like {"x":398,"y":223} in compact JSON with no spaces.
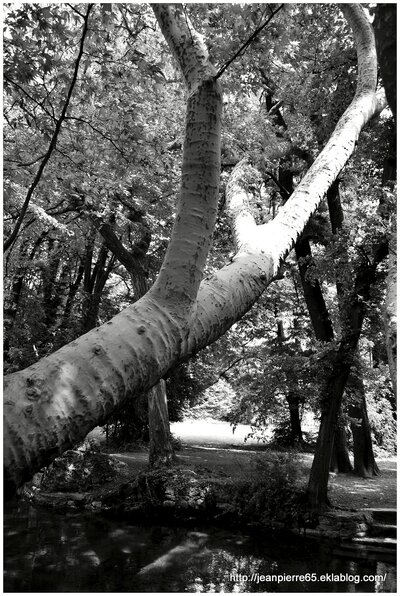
{"x":64,"y":551}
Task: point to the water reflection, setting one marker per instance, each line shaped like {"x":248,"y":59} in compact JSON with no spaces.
{"x":51,"y":552}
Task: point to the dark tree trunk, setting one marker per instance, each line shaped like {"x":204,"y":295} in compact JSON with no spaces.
{"x":161,"y":452}
{"x":318,"y":482}
{"x":340,"y":460}
{"x":364,"y":460}
{"x":342,"y":360}
{"x":90,"y":307}
{"x":323,"y":330}
{"x":93,"y":284}
{"x":10,"y":314}
{"x":318,"y":312}
{"x":385,"y":33}
{"x":314,"y":298}
{"x":50,"y":297}
{"x":296,"y":434}
{"x":72,"y":291}
{"x":11,"y":309}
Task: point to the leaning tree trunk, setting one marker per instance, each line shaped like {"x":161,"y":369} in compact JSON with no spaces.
{"x":54,"y":403}
{"x":323,"y":331}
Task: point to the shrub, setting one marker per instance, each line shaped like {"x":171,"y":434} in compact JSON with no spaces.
{"x":79,"y":470}
{"x":271,"y":494}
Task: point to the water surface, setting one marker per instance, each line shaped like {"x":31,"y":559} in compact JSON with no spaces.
{"x":46,"y":551}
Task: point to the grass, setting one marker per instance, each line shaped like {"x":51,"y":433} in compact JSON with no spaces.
{"x":211,"y":447}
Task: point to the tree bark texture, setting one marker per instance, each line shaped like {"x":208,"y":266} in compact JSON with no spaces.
{"x":364,"y":460}
{"x":341,"y":363}
{"x":333,"y":390}
{"x":54,"y":403}
{"x":161,"y":451}
{"x":340,"y":461}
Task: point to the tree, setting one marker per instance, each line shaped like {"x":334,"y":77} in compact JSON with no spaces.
{"x":364,"y":461}
{"x":385,"y":24}
{"x":61,"y":397}
{"x":313,"y":295}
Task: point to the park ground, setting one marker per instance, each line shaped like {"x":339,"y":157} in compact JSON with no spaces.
{"x":209,"y":445}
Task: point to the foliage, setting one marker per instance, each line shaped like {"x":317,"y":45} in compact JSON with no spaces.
{"x":183,"y":384}
{"x":282,"y":436}
{"x":217,"y":402}
{"x":80,"y":470}
{"x":382,"y":416}
{"x":98,"y":170}
{"x":272,"y":493}
{"x":117,"y":162}
{"x":128,"y":427}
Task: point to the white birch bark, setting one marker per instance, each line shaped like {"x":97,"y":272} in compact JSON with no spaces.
{"x":54,"y":403}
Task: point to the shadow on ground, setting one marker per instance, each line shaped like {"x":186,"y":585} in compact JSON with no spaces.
{"x":212,"y":445}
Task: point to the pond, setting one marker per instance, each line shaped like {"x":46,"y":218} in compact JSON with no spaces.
{"x":47,"y":551}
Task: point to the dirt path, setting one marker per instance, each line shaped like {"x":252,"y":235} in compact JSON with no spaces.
{"x":353,"y":492}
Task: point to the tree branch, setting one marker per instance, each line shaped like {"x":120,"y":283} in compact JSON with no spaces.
{"x":283,"y":190}
{"x":13,"y":236}
{"x":246,"y":44}
{"x":98,"y":131}
{"x":72,"y":7}
{"x":18,"y":86}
